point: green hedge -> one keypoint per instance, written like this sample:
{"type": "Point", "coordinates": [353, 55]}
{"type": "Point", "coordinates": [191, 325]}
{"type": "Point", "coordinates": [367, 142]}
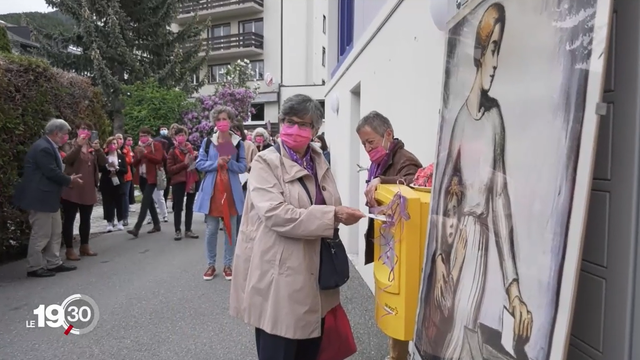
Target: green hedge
{"type": "Point", "coordinates": [32, 92]}
{"type": "Point", "coordinates": [5, 44]}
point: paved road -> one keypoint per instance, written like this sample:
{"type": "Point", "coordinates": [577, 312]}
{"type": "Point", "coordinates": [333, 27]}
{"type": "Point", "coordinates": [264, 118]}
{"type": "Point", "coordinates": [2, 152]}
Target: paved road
{"type": "Point", "coordinates": [153, 304]}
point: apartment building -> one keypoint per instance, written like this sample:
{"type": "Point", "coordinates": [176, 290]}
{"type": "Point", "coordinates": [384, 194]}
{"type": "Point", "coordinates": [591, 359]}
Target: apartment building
{"type": "Point", "coordinates": [285, 39]}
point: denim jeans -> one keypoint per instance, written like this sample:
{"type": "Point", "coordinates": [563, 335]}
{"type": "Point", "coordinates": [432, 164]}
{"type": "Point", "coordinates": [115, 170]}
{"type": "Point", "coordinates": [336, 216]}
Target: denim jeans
{"type": "Point", "coordinates": [127, 186]}
{"type": "Point", "coordinates": [211, 240]}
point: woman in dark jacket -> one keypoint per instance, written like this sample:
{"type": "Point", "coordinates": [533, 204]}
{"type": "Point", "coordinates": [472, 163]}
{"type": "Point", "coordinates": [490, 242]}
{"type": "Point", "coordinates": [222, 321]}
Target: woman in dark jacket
{"type": "Point", "coordinates": [322, 142]}
{"type": "Point", "coordinates": [112, 185]}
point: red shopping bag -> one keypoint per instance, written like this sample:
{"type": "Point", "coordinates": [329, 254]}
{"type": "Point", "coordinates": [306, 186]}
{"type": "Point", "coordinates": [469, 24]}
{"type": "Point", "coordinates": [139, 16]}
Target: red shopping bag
{"type": "Point", "coordinates": [337, 340]}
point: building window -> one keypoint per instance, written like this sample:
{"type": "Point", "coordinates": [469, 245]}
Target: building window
{"type": "Point", "coordinates": [249, 26]}
{"type": "Point", "coordinates": [219, 30]}
{"type": "Point", "coordinates": [259, 112]}
{"type": "Point", "coordinates": [345, 29]}
{"type": "Point", "coordinates": [257, 67]}
{"type": "Point", "coordinates": [195, 79]}
{"type": "Point", "coordinates": [216, 73]}
{"type": "Point", "coordinates": [324, 56]}
{"type": "Point", "coordinates": [324, 24]}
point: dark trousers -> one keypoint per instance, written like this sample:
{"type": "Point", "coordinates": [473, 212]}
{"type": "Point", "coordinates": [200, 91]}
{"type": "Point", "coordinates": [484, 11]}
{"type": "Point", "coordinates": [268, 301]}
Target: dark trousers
{"type": "Point", "coordinates": [112, 203]}
{"type": "Point", "coordinates": [179, 193]}
{"type": "Point", "coordinates": [70, 210]}
{"type": "Point", "coordinates": [165, 194]}
{"type": "Point", "coordinates": [126, 187]}
{"type": "Point", "coordinates": [274, 347]}
{"type": "Point", "coordinates": [147, 204]}
{"type": "Point", "coordinates": [132, 194]}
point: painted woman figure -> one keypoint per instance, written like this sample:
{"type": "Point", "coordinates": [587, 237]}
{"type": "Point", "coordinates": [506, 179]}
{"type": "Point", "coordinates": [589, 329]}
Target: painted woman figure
{"type": "Point", "coordinates": [474, 192]}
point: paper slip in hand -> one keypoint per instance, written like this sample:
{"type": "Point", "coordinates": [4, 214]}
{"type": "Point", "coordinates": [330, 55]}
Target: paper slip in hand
{"type": "Point", "coordinates": [243, 178]}
{"type": "Point", "coordinates": [507, 340]}
{"type": "Point", "coordinates": [377, 217]}
{"type": "Point", "coordinates": [226, 149]}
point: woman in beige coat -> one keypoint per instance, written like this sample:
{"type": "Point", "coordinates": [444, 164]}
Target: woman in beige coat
{"type": "Point", "coordinates": [275, 284]}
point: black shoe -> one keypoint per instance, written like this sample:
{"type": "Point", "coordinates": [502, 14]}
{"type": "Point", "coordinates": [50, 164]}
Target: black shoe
{"type": "Point", "coordinates": [63, 268]}
{"type": "Point", "coordinates": [134, 232]}
{"type": "Point", "coordinates": [40, 273]}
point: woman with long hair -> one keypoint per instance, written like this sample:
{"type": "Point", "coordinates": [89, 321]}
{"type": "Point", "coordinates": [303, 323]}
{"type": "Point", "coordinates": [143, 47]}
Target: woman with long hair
{"type": "Point", "coordinates": [81, 158]}
{"type": "Point", "coordinates": [112, 185]}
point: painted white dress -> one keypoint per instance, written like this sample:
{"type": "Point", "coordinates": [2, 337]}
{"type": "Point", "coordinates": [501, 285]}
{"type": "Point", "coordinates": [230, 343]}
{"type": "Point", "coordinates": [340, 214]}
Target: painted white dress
{"type": "Point", "coordinates": [481, 168]}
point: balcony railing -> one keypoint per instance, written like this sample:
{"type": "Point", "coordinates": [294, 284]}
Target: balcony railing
{"type": "Point", "coordinates": [234, 42]}
{"type": "Point", "coordinates": [211, 5]}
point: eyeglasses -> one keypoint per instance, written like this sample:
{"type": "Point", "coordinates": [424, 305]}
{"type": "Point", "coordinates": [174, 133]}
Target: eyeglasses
{"type": "Point", "coordinates": [301, 124]}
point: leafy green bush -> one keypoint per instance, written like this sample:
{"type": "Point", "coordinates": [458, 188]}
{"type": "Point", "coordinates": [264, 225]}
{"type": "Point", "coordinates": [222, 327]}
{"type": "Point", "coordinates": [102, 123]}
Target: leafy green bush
{"type": "Point", "coordinates": [32, 92]}
{"type": "Point", "coordinates": [5, 44]}
{"type": "Point", "coordinates": [148, 104]}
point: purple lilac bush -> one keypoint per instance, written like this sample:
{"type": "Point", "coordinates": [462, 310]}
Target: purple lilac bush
{"type": "Point", "coordinates": [197, 120]}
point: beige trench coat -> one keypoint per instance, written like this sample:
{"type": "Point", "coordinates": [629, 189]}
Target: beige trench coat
{"type": "Point", "coordinates": [275, 272]}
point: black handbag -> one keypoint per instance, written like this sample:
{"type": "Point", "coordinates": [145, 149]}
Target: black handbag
{"type": "Point", "coordinates": [334, 262]}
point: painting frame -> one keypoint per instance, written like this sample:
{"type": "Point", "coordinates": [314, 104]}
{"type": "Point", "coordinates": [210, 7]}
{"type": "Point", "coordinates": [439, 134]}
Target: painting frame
{"type": "Point", "coordinates": [577, 218]}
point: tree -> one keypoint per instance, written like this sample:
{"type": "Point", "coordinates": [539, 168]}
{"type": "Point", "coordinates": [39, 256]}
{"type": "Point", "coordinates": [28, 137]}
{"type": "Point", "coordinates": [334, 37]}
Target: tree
{"type": "Point", "coordinates": [5, 44]}
{"type": "Point", "coordinates": [149, 104]}
{"type": "Point", "coordinates": [121, 42]}
{"type": "Point", "coordinates": [235, 91]}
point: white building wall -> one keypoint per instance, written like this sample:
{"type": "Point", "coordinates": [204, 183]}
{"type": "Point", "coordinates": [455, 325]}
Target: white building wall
{"type": "Point", "coordinates": [395, 68]}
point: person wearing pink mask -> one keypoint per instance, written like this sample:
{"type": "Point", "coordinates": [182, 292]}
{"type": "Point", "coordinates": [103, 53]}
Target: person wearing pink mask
{"type": "Point", "coordinates": [82, 158]}
{"type": "Point", "coordinates": [391, 163]}
{"type": "Point", "coordinates": [111, 185]}
{"type": "Point", "coordinates": [222, 160]}
{"type": "Point", "coordinates": [124, 144]}
{"type": "Point", "coordinates": [261, 139]}
{"type": "Point", "coordinates": [148, 158]}
{"type": "Point", "coordinates": [38, 192]}
{"type": "Point", "coordinates": [184, 182]}
{"type": "Point", "coordinates": [292, 204]}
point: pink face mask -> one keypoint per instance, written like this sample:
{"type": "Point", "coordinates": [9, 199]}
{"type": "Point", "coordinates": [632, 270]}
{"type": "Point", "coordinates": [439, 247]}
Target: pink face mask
{"type": "Point", "coordinates": [295, 138]}
{"type": "Point", "coordinates": [112, 147]}
{"type": "Point", "coordinates": [129, 142]}
{"type": "Point", "coordinates": [249, 137]}
{"type": "Point", "coordinates": [181, 139]}
{"type": "Point", "coordinates": [84, 133]}
{"type": "Point", "coordinates": [64, 139]}
{"type": "Point", "coordinates": [259, 140]}
{"type": "Point", "coordinates": [223, 125]}
{"type": "Point", "coordinates": [376, 155]}
{"type": "Point", "coordinates": [144, 139]}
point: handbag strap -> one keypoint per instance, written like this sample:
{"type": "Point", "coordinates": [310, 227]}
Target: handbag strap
{"type": "Point", "coordinates": [276, 147]}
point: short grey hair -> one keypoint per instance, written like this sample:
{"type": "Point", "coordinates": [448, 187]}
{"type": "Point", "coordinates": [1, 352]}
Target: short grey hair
{"type": "Point", "coordinates": [56, 126]}
{"type": "Point", "coordinates": [301, 106]}
{"type": "Point", "coordinates": [261, 132]}
{"type": "Point", "coordinates": [377, 122]}
{"type": "Point", "coordinates": [231, 114]}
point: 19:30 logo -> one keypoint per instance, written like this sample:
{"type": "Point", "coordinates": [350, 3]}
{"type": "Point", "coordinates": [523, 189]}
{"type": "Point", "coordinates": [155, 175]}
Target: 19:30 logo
{"type": "Point", "coordinates": [79, 318]}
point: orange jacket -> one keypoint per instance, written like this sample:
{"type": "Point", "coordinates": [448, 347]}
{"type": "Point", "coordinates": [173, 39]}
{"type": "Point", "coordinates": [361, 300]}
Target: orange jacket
{"type": "Point", "coordinates": [152, 157]}
{"type": "Point", "coordinates": [128, 155]}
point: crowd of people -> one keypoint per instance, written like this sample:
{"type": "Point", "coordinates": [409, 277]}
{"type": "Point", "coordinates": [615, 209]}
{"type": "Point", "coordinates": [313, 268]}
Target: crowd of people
{"type": "Point", "coordinates": [274, 198]}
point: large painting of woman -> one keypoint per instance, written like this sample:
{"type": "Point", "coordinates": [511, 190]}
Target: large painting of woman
{"type": "Point", "coordinates": [491, 263]}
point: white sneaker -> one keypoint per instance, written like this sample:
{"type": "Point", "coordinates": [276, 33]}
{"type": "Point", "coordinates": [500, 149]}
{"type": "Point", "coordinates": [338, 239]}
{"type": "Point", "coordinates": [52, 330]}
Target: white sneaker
{"type": "Point", "coordinates": [109, 227]}
{"type": "Point", "coordinates": [132, 209]}
{"type": "Point", "coordinates": [120, 226]}
{"type": "Point", "coordinates": [165, 219]}
{"type": "Point", "coordinates": [149, 221]}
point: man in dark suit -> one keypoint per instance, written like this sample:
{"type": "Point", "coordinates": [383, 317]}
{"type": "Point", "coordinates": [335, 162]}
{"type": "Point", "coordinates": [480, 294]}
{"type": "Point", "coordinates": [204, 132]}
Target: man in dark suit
{"type": "Point", "coordinates": [39, 192]}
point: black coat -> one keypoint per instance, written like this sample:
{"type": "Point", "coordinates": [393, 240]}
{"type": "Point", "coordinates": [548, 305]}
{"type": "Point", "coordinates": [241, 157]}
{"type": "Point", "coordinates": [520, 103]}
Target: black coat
{"type": "Point", "coordinates": [43, 180]}
{"type": "Point", "coordinates": [106, 184]}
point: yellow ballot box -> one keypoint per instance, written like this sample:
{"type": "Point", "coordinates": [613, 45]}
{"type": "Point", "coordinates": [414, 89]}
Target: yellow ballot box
{"type": "Point", "coordinates": [397, 269]}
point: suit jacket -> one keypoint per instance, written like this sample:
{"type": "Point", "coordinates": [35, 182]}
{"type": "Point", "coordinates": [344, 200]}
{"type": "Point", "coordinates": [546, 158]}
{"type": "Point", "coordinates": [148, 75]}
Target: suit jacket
{"type": "Point", "coordinates": [40, 187]}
